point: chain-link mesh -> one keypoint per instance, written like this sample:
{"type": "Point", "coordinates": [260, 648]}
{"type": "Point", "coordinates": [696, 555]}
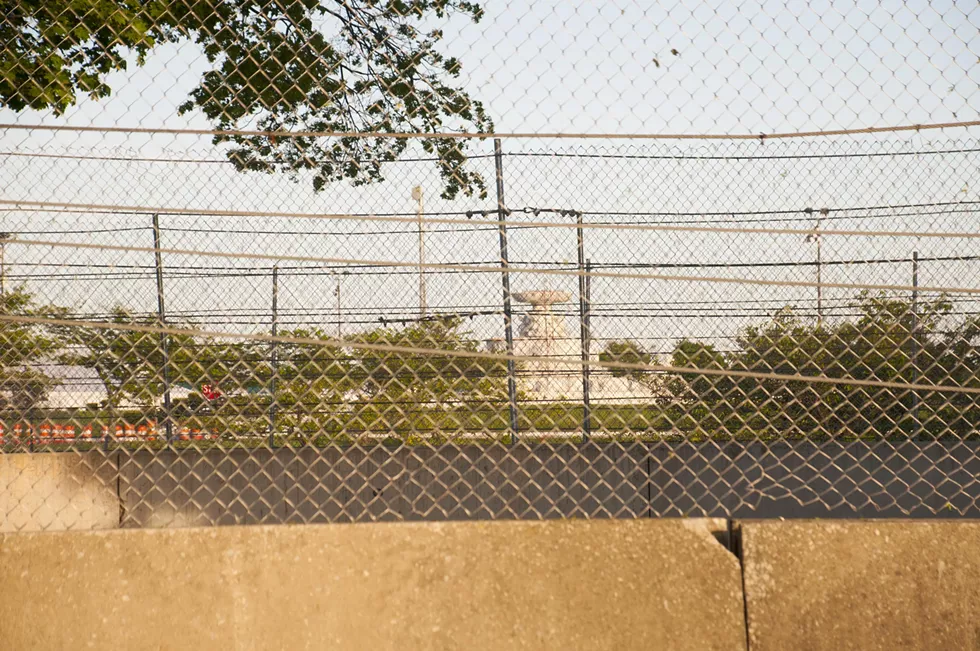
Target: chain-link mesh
{"type": "Point", "coordinates": [270, 277]}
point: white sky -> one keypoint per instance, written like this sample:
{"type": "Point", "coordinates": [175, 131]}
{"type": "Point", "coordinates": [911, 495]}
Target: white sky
{"type": "Point", "coordinates": [547, 66]}
{"type": "Point", "coordinates": [589, 66]}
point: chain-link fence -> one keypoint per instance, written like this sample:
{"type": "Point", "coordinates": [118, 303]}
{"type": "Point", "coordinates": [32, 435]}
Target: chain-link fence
{"type": "Point", "coordinates": [261, 302]}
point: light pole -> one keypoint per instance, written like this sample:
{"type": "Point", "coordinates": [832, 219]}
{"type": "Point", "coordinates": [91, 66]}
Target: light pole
{"type": "Point", "coordinates": [417, 196]}
{"type": "Point", "coordinates": [916, 344]}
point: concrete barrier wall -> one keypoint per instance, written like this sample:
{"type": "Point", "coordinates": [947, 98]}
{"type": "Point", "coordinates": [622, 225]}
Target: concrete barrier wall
{"type": "Point", "coordinates": [783, 479]}
{"type": "Point", "coordinates": [516, 585]}
{"type": "Point", "coordinates": [497, 585]}
{"type": "Point", "coordinates": [164, 488]}
{"type": "Point", "coordinates": [57, 492]}
{"type": "Point", "coordinates": [862, 585]}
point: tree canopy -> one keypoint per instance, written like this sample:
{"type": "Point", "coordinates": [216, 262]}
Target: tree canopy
{"type": "Point", "coordinates": [427, 377]}
{"type": "Point", "coordinates": [27, 352]}
{"type": "Point", "coordinates": [888, 342]}
{"type": "Point", "coordinates": [317, 388]}
{"type": "Point", "coordinates": [627, 351]}
{"type": "Point", "coordinates": [130, 363]}
{"type": "Point", "coordinates": [382, 380]}
{"type": "Point", "coordinates": [362, 66]}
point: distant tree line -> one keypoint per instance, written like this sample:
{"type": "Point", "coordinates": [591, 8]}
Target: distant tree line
{"type": "Point", "coordinates": [309, 387]}
{"type": "Point", "coordinates": [891, 340]}
{"type": "Point", "coordinates": [359, 383]}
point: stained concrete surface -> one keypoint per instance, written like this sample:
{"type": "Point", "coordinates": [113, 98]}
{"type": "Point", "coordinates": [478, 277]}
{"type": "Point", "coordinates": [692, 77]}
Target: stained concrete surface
{"type": "Point", "coordinates": [814, 585]}
{"type": "Point", "coordinates": [41, 492]}
{"type": "Point", "coordinates": [640, 584]}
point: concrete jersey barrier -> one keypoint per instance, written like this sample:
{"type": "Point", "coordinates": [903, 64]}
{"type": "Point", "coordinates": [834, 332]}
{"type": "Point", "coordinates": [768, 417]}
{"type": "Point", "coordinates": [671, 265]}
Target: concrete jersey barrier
{"type": "Point", "coordinates": [637, 584]}
{"type": "Point", "coordinates": [871, 585]}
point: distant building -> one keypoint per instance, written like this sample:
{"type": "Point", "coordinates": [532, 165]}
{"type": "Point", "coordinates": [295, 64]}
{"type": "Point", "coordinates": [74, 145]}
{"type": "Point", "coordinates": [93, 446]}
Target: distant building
{"type": "Point", "coordinates": [80, 386]}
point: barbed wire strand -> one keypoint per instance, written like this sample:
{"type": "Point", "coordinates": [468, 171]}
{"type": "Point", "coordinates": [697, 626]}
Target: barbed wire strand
{"type": "Point", "coordinates": [160, 210]}
{"type": "Point", "coordinates": [517, 264]}
{"type": "Point", "coordinates": [944, 206]}
{"type": "Point", "coordinates": [496, 269]}
{"type": "Point", "coordinates": [463, 135]}
{"type": "Point", "coordinates": [516, 154]}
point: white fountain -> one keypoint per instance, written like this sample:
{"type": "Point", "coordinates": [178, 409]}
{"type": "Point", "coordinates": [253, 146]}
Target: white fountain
{"type": "Point", "coordinates": [542, 333]}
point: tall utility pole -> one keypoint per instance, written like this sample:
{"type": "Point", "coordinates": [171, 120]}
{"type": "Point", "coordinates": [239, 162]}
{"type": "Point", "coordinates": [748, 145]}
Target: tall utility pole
{"type": "Point", "coordinates": [4, 238]}
{"type": "Point", "coordinates": [584, 275]}
{"type": "Point", "coordinates": [273, 408]}
{"type": "Point", "coordinates": [917, 424]}
{"type": "Point", "coordinates": [417, 195]}
{"type": "Point", "coordinates": [585, 306]}
{"type": "Point", "coordinates": [164, 339]}
{"type": "Point", "coordinates": [498, 158]}
{"type": "Point", "coordinates": [816, 237]}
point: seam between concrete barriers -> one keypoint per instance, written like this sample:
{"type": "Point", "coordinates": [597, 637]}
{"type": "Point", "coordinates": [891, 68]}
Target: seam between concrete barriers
{"type": "Point", "coordinates": [736, 546]}
{"type": "Point", "coordinates": [119, 495]}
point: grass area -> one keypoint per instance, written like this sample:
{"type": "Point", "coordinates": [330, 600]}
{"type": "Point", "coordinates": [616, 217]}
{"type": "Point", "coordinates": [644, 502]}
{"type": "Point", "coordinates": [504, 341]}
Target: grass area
{"type": "Point", "coordinates": [483, 426]}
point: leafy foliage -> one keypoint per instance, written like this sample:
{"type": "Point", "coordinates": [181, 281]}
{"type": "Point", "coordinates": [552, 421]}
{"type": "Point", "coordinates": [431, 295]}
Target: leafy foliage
{"type": "Point", "coordinates": [55, 49]}
{"type": "Point", "coordinates": [300, 386]}
{"type": "Point", "coordinates": [364, 66]}
{"type": "Point", "coordinates": [627, 352]}
{"type": "Point", "coordinates": [26, 350]}
{"type": "Point", "coordinates": [311, 379]}
{"type": "Point", "coordinates": [130, 363]}
{"type": "Point", "coordinates": [427, 377]}
{"type": "Point", "coordinates": [414, 391]}
{"type": "Point", "coordinates": [393, 386]}
{"type": "Point", "coordinates": [889, 342]}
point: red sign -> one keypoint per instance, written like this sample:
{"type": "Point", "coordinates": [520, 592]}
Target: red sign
{"type": "Point", "coordinates": [210, 392]}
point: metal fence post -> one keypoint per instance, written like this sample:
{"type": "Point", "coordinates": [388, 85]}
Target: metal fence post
{"type": "Point", "coordinates": [916, 398]}
{"type": "Point", "coordinates": [584, 286]}
{"type": "Point", "coordinates": [505, 277]}
{"type": "Point", "coordinates": [164, 338]}
{"type": "Point", "coordinates": [4, 238]}
{"type": "Point", "coordinates": [275, 356]}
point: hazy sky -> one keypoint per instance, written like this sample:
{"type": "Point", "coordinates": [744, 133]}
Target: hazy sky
{"type": "Point", "coordinates": [548, 66]}
{"type": "Point", "coordinates": [591, 66]}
